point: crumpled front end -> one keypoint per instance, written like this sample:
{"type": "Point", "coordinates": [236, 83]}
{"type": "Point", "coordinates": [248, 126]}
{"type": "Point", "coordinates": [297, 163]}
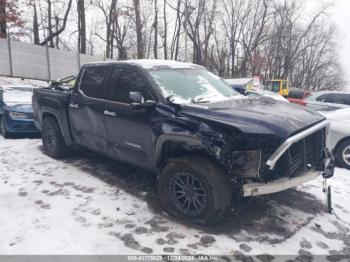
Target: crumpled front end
{"type": "Point", "coordinates": [300, 158]}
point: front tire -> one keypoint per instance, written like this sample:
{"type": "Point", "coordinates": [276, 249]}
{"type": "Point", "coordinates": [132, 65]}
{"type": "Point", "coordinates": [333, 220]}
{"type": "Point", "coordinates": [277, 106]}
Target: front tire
{"type": "Point", "coordinates": [3, 129]}
{"type": "Point", "coordinates": [343, 154]}
{"type": "Point", "coordinates": [53, 142]}
{"type": "Point", "coordinates": [195, 189]}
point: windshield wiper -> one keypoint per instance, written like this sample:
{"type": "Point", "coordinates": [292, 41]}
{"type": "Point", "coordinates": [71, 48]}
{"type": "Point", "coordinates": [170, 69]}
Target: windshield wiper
{"type": "Point", "coordinates": [170, 98]}
{"type": "Point", "coordinates": [201, 99]}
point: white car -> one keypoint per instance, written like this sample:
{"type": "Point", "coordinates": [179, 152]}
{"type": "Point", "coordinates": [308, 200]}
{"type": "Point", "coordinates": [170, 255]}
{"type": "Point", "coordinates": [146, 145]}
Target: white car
{"type": "Point", "coordinates": [338, 99]}
{"type": "Point", "coordinates": [339, 135]}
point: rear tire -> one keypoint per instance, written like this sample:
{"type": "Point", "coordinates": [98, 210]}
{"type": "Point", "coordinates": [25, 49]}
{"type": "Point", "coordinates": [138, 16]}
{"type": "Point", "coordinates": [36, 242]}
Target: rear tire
{"type": "Point", "coordinates": [3, 129]}
{"type": "Point", "coordinates": [195, 189]}
{"type": "Point", "coordinates": [342, 154]}
{"type": "Point", "coordinates": [53, 142]}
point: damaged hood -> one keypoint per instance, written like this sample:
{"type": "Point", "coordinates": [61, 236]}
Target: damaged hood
{"type": "Point", "coordinates": [259, 116]}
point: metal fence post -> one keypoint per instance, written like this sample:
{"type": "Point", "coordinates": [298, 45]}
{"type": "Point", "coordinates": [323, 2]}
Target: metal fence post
{"type": "Point", "coordinates": [10, 55]}
{"type": "Point", "coordinates": [48, 62]}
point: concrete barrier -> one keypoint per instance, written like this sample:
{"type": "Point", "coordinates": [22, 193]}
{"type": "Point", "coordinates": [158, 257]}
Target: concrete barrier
{"type": "Point", "coordinates": [25, 60]}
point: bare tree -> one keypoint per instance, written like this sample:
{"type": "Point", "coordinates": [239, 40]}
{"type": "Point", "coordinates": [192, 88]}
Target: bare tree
{"type": "Point", "coordinates": [122, 26]}
{"type": "Point", "coordinates": [174, 48]}
{"type": "Point", "coordinates": [109, 14]}
{"type": "Point", "coordinates": [200, 21]}
{"type": "Point", "coordinates": [81, 26]}
{"type": "Point", "coordinates": [165, 34]}
{"type": "Point", "coordinates": [139, 26]}
{"type": "Point", "coordinates": [52, 35]}
{"type": "Point", "coordinates": [36, 36]}
{"type": "Point", "coordinates": [155, 26]}
{"type": "Point", "coordinates": [9, 16]}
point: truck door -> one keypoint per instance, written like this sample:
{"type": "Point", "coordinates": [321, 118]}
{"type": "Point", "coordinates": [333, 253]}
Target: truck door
{"type": "Point", "coordinates": [129, 131]}
{"type": "Point", "coordinates": [86, 108]}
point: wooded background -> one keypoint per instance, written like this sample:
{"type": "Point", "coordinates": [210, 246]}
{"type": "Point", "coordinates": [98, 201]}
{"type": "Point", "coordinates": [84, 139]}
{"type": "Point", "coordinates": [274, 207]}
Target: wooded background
{"type": "Point", "coordinates": [233, 38]}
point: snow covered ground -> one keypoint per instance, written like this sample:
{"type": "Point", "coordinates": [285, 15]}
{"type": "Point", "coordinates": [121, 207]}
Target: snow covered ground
{"type": "Point", "coordinates": [19, 81]}
{"type": "Point", "coordinates": [87, 204]}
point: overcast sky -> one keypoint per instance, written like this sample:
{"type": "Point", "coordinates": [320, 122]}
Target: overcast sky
{"type": "Point", "coordinates": [339, 13]}
{"type": "Point", "coordinates": [341, 16]}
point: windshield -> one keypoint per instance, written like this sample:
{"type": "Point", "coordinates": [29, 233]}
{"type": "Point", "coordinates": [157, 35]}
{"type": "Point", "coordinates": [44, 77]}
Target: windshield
{"type": "Point", "coordinates": [18, 95]}
{"type": "Point", "coordinates": [192, 85]}
{"type": "Point", "coordinates": [275, 86]}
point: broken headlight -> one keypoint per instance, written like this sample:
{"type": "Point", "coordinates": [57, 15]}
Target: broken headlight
{"type": "Point", "coordinates": [247, 162]}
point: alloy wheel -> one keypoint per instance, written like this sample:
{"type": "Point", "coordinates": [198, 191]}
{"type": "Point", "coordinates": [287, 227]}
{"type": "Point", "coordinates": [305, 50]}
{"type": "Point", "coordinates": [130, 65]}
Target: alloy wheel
{"type": "Point", "coordinates": [346, 155]}
{"type": "Point", "coordinates": [188, 194]}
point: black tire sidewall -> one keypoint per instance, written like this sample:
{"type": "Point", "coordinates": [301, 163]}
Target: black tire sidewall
{"type": "Point", "coordinates": [4, 133]}
{"type": "Point", "coordinates": [215, 181]}
{"type": "Point", "coordinates": [339, 153]}
{"type": "Point", "coordinates": [50, 125]}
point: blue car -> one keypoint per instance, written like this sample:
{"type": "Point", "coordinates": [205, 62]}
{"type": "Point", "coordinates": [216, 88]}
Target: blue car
{"type": "Point", "coordinates": [16, 112]}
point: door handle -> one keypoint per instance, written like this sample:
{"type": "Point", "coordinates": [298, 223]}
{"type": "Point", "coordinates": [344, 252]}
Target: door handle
{"type": "Point", "coordinates": [73, 105]}
{"type": "Point", "coordinates": [109, 113]}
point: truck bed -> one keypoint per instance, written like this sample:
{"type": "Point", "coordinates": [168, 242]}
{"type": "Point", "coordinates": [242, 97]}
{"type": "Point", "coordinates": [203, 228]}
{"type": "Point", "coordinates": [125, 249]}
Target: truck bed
{"type": "Point", "coordinates": [54, 102]}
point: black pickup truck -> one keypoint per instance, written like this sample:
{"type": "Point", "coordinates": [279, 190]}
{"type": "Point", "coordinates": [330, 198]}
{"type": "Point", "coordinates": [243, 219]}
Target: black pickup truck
{"type": "Point", "coordinates": [207, 144]}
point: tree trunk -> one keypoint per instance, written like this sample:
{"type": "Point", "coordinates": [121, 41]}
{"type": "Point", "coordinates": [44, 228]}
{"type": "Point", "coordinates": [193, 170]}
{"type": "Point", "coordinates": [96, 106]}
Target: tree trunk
{"type": "Point", "coordinates": [3, 25]}
{"type": "Point", "coordinates": [35, 26]}
{"type": "Point", "coordinates": [49, 22]}
{"type": "Point", "coordinates": [139, 40]}
{"type": "Point", "coordinates": [165, 40]}
{"type": "Point", "coordinates": [81, 26]}
{"type": "Point", "coordinates": [109, 33]}
{"type": "Point", "coordinates": [62, 28]}
{"type": "Point", "coordinates": [155, 25]}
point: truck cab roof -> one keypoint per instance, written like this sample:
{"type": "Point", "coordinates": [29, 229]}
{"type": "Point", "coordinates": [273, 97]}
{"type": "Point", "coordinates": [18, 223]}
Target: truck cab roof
{"type": "Point", "coordinates": [150, 63]}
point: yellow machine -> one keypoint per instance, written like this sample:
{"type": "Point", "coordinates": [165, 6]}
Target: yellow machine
{"type": "Point", "coordinates": [279, 86]}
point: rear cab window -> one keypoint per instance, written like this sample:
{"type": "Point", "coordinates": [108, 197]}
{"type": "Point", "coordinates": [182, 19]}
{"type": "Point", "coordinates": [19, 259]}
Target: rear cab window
{"type": "Point", "coordinates": [95, 81]}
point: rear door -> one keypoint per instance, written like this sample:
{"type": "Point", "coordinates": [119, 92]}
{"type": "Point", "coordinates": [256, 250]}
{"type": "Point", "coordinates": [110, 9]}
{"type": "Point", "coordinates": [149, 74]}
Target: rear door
{"type": "Point", "coordinates": [129, 131]}
{"type": "Point", "coordinates": [86, 108]}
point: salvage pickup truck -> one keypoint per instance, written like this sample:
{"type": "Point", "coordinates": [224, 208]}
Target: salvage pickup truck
{"type": "Point", "coordinates": [207, 143]}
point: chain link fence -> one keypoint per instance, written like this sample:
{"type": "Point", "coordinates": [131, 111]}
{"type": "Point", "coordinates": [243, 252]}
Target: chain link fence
{"type": "Point", "coordinates": [25, 60]}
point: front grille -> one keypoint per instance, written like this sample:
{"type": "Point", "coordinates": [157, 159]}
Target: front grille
{"type": "Point", "coordinates": [305, 154]}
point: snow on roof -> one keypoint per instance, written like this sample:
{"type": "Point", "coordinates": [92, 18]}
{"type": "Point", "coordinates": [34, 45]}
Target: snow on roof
{"type": "Point", "coordinates": [152, 63]}
{"type": "Point", "coordinates": [239, 81]}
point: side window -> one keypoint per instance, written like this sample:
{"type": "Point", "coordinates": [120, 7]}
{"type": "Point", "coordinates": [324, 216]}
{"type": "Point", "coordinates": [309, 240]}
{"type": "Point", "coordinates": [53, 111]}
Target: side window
{"type": "Point", "coordinates": [94, 82]}
{"type": "Point", "coordinates": [127, 80]}
{"type": "Point", "coordinates": [338, 99]}
{"type": "Point", "coordinates": [322, 98]}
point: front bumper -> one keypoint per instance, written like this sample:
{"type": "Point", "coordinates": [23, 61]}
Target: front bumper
{"type": "Point", "coordinates": [326, 168]}
{"type": "Point", "coordinates": [21, 126]}
{"type": "Point", "coordinates": [277, 185]}
{"type": "Point", "coordinates": [256, 189]}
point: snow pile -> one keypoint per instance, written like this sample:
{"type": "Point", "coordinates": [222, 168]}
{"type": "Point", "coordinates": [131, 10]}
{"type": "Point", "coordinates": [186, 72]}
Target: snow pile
{"type": "Point", "coordinates": [21, 82]}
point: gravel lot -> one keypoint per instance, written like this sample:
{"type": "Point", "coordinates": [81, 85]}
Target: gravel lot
{"type": "Point", "coordinates": [87, 204]}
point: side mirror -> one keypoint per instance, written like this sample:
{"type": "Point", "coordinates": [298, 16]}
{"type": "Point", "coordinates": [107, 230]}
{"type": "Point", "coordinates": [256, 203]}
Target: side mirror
{"type": "Point", "coordinates": [137, 101]}
{"type": "Point", "coordinates": [136, 97]}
